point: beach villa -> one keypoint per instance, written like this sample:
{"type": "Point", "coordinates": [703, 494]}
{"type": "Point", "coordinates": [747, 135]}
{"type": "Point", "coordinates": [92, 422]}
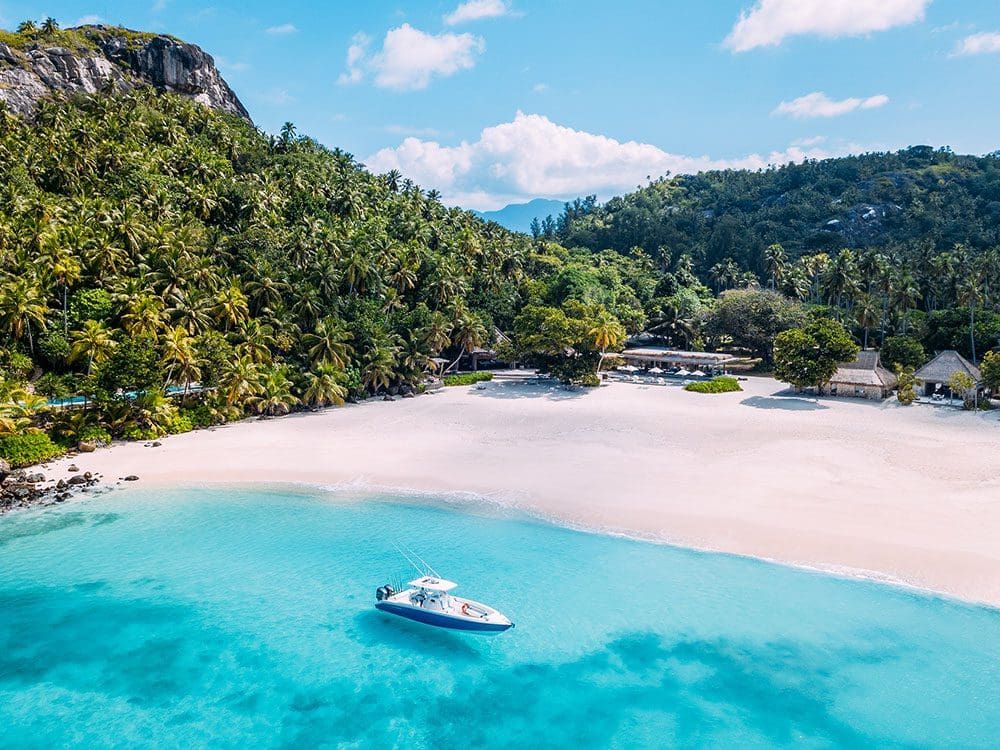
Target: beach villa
{"type": "Point", "coordinates": [865, 377]}
{"type": "Point", "coordinates": [937, 373]}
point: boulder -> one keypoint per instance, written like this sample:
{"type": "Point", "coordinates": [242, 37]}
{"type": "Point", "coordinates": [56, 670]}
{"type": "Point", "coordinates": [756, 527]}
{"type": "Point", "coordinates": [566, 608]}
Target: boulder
{"type": "Point", "coordinates": [4, 468]}
{"type": "Point", "coordinates": [72, 467]}
{"type": "Point", "coordinates": [77, 480]}
{"type": "Point", "coordinates": [34, 478]}
{"type": "Point", "coordinates": [86, 447]}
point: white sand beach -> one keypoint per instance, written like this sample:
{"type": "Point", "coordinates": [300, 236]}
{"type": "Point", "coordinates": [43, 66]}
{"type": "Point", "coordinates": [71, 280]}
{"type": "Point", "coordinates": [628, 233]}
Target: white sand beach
{"type": "Point", "coordinates": [911, 495]}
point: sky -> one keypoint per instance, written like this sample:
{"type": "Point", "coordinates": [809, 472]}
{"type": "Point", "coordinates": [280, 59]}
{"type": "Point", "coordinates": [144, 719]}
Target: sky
{"type": "Point", "coordinates": [493, 102]}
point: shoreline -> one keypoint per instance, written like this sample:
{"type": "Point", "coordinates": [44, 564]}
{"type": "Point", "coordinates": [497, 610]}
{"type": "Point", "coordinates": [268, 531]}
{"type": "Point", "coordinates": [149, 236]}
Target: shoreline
{"type": "Point", "coordinates": [647, 463]}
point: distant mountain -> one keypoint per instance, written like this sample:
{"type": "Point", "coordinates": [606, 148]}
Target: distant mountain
{"type": "Point", "coordinates": [518, 216]}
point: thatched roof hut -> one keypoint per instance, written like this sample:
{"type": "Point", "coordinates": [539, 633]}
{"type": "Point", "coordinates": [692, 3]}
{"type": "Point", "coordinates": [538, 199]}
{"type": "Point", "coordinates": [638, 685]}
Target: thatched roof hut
{"type": "Point", "coordinates": [944, 365]}
{"type": "Point", "coordinates": [865, 377]}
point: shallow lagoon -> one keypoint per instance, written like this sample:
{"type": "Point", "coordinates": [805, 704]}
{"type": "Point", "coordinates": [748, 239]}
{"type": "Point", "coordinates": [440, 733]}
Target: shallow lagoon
{"type": "Point", "coordinates": [244, 618]}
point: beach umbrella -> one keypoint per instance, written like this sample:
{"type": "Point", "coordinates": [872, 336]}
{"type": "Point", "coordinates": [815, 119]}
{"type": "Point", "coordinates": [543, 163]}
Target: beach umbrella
{"type": "Point", "coordinates": [629, 368]}
{"type": "Point", "coordinates": [698, 374]}
{"type": "Point", "coordinates": [655, 370]}
{"type": "Point", "coordinates": [682, 372]}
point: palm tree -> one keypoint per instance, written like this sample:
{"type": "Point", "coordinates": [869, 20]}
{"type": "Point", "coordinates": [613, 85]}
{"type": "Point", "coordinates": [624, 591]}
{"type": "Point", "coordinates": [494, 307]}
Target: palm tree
{"type": "Point", "coordinates": [231, 306]}
{"type": "Point", "coordinates": [607, 332]}
{"type": "Point", "coordinates": [324, 386]}
{"type": "Point", "coordinates": [328, 344]}
{"type": "Point", "coordinates": [21, 304]}
{"type": "Point", "coordinates": [94, 341]}
{"type": "Point", "coordinates": [866, 312]}
{"type": "Point", "coordinates": [970, 294]}
{"type": "Point", "coordinates": [179, 354]}
{"type": "Point", "coordinates": [274, 395]}
{"type": "Point", "coordinates": [775, 260]}
{"type": "Point", "coordinates": [379, 366]}
{"type": "Point", "coordinates": [49, 26]}
{"type": "Point", "coordinates": [240, 380]}
{"type": "Point", "coordinates": [469, 333]}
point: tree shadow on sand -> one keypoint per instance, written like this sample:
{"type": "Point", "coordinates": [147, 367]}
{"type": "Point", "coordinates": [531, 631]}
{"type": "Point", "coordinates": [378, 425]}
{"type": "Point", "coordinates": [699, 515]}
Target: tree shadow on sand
{"type": "Point", "coordinates": [785, 403]}
{"type": "Point", "coordinates": [520, 389]}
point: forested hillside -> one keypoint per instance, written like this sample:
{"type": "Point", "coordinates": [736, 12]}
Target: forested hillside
{"type": "Point", "coordinates": [148, 242]}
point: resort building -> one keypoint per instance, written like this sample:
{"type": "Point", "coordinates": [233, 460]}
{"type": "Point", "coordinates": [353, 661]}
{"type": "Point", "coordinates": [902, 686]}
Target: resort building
{"type": "Point", "coordinates": [865, 377]}
{"type": "Point", "coordinates": [936, 374]}
{"type": "Point", "coordinates": [657, 356]}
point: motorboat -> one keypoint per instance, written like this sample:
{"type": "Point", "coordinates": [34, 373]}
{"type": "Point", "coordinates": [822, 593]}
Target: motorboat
{"type": "Point", "coordinates": [428, 600]}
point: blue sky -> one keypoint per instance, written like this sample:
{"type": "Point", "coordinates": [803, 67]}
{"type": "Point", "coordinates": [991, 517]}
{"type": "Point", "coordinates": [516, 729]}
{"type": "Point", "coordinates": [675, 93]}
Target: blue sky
{"type": "Point", "coordinates": [498, 101]}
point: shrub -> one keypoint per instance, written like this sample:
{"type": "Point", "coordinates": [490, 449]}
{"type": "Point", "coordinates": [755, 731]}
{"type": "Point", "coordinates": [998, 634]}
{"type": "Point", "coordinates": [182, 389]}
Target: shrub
{"type": "Point", "coordinates": [179, 423]}
{"type": "Point", "coordinates": [95, 434]}
{"type": "Point", "coordinates": [721, 384]}
{"type": "Point", "coordinates": [54, 347]}
{"type": "Point", "coordinates": [52, 385]}
{"type": "Point", "coordinates": [200, 416]}
{"type": "Point", "coordinates": [590, 380]}
{"type": "Point", "coordinates": [19, 366]}
{"type": "Point", "coordinates": [141, 433]}
{"type": "Point", "coordinates": [27, 449]}
{"type": "Point", "coordinates": [467, 378]}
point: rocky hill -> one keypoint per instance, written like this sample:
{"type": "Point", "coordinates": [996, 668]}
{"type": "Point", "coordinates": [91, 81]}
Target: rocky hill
{"type": "Point", "coordinates": [88, 59]}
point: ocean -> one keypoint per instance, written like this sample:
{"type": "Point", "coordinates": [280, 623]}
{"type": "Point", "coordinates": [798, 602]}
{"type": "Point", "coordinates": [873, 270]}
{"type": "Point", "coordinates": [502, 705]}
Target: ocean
{"type": "Point", "coordinates": [244, 618]}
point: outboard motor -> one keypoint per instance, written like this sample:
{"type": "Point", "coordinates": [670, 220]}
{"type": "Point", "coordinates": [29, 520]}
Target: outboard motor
{"type": "Point", "coordinates": [383, 592]}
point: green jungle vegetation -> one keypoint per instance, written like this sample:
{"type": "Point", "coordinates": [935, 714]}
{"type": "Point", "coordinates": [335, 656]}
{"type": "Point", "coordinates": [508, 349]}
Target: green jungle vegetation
{"type": "Point", "coordinates": [467, 378]}
{"type": "Point", "coordinates": [171, 267]}
{"type": "Point", "coordinates": [719, 384]}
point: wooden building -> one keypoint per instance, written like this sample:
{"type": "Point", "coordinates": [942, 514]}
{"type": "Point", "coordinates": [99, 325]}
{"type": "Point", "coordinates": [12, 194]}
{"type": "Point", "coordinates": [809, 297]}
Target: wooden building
{"type": "Point", "coordinates": [865, 377]}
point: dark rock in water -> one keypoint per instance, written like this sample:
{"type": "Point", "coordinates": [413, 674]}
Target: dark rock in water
{"type": "Point", "coordinates": [85, 447]}
{"type": "Point", "coordinates": [61, 484]}
{"type": "Point", "coordinates": [21, 492]}
{"type": "Point", "coordinates": [116, 60]}
{"type": "Point", "coordinates": [88, 476]}
{"type": "Point", "coordinates": [72, 467]}
{"type": "Point", "coordinates": [77, 480]}
{"type": "Point", "coordinates": [131, 478]}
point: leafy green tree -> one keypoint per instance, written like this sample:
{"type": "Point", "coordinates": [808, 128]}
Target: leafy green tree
{"type": "Point", "coordinates": [809, 356]}
{"type": "Point", "coordinates": [133, 365]}
{"type": "Point", "coordinates": [93, 343]}
{"type": "Point", "coordinates": [990, 368]}
{"type": "Point", "coordinates": [902, 351]}
{"type": "Point", "coordinates": [752, 319]}
{"type": "Point", "coordinates": [906, 392]}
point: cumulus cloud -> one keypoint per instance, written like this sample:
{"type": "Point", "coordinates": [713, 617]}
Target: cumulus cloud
{"type": "Point", "coordinates": [770, 22]}
{"type": "Point", "coordinates": [533, 156]}
{"type": "Point", "coordinates": [410, 58]}
{"type": "Point", "coordinates": [978, 44]}
{"type": "Point", "coordinates": [285, 28]}
{"type": "Point", "coordinates": [818, 104]}
{"type": "Point", "coordinates": [476, 10]}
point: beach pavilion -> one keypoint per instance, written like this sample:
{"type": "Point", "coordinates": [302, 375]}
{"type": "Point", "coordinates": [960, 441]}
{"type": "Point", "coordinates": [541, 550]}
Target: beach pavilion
{"type": "Point", "coordinates": [647, 357]}
{"type": "Point", "coordinates": [936, 374]}
{"type": "Point", "coordinates": [865, 377]}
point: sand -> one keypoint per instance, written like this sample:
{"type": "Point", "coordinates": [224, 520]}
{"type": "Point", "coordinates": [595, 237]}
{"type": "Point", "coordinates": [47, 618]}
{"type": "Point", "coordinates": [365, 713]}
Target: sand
{"type": "Point", "coordinates": [911, 495]}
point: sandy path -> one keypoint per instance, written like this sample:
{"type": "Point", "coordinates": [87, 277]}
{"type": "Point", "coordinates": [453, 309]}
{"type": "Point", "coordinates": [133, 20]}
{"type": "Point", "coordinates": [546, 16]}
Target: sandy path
{"type": "Point", "coordinates": [909, 494]}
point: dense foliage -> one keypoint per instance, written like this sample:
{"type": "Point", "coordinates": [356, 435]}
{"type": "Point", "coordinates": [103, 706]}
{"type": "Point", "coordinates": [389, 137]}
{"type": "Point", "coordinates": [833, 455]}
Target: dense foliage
{"type": "Point", "coordinates": [809, 356]}
{"type": "Point", "coordinates": [720, 384]}
{"type": "Point", "coordinates": [467, 378]}
{"type": "Point", "coordinates": [151, 247]}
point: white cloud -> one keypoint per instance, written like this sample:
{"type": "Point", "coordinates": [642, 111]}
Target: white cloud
{"type": "Point", "coordinates": [355, 59]}
{"type": "Point", "coordinates": [769, 22]}
{"type": "Point", "coordinates": [818, 104]}
{"type": "Point", "coordinates": [88, 20]}
{"type": "Point", "coordinates": [410, 58]}
{"type": "Point", "coordinates": [475, 10]}
{"type": "Point", "coordinates": [285, 28]}
{"type": "Point", "coordinates": [532, 156]}
{"type": "Point", "coordinates": [978, 44]}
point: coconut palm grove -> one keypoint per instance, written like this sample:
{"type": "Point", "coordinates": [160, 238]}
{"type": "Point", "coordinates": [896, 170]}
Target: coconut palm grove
{"type": "Point", "coordinates": [168, 267]}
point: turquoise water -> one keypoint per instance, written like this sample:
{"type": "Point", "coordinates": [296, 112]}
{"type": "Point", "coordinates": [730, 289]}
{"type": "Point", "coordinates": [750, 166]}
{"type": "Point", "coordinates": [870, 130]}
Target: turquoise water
{"type": "Point", "coordinates": [244, 619]}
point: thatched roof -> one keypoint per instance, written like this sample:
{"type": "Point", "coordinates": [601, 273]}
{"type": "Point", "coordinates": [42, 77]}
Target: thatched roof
{"type": "Point", "coordinates": [944, 365]}
{"type": "Point", "coordinates": [866, 369]}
